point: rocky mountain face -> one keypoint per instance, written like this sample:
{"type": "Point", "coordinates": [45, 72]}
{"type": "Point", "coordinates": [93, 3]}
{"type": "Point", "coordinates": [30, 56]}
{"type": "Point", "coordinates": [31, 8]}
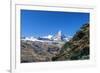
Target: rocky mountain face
{"type": "Point", "coordinates": [77, 48]}
{"type": "Point", "coordinates": [35, 51]}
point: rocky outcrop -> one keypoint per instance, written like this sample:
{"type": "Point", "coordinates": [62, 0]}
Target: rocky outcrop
{"type": "Point", "coordinates": [35, 51]}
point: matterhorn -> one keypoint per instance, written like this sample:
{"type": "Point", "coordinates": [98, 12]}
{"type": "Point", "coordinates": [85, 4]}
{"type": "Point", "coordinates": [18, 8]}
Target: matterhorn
{"type": "Point", "coordinates": [57, 37]}
{"type": "Point", "coordinates": [60, 37]}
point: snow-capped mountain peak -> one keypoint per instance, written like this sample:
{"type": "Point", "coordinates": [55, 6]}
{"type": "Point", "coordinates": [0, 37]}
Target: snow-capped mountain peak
{"type": "Point", "coordinates": [57, 37]}
{"type": "Point", "coordinates": [30, 38]}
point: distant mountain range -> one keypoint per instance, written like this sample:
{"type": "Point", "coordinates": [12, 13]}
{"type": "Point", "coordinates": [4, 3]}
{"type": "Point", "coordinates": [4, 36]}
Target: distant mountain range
{"type": "Point", "coordinates": [57, 37]}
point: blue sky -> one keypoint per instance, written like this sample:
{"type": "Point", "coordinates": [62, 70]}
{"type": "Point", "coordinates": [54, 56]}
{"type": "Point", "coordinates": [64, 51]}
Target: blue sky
{"type": "Point", "coordinates": [41, 23]}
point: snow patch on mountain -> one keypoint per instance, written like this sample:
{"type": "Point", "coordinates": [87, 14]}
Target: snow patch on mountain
{"type": "Point", "coordinates": [48, 37]}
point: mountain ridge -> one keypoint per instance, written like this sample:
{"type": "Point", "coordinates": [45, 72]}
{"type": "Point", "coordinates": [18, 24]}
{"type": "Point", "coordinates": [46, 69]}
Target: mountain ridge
{"type": "Point", "coordinates": [57, 37]}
